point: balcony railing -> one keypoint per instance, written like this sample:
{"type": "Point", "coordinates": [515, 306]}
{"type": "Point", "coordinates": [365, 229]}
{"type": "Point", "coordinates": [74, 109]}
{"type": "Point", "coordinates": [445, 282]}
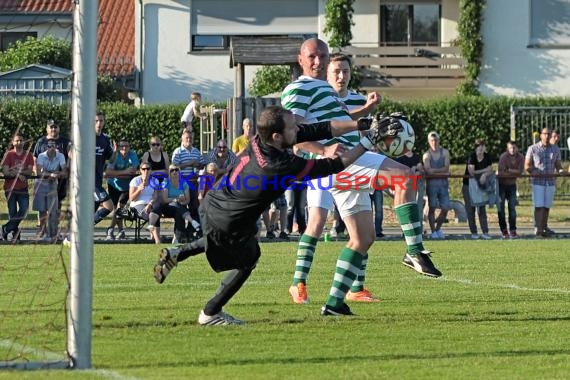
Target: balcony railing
{"type": "Point", "coordinates": [428, 67]}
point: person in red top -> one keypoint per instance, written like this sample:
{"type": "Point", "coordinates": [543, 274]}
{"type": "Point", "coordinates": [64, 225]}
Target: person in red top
{"type": "Point", "coordinates": [17, 166]}
{"type": "Point", "coordinates": [511, 165]}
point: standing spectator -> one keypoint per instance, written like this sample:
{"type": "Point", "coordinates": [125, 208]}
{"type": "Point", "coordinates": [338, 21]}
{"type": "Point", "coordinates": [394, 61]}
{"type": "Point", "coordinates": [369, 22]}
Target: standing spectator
{"type": "Point", "coordinates": [436, 163]}
{"type": "Point", "coordinates": [377, 199]}
{"type": "Point", "coordinates": [122, 167]}
{"type": "Point", "coordinates": [278, 208]}
{"type": "Point", "coordinates": [144, 199]}
{"type": "Point", "coordinates": [156, 157]}
{"type": "Point", "coordinates": [17, 166]}
{"type": "Point", "coordinates": [554, 138]}
{"type": "Point", "coordinates": [414, 162]}
{"type": "Point", "coordinates": [223, 157]}
{"type": "Point", "coordinates": [103, 152]}
{"type": "Point", "coordinates": [192, 110]}
{"type": "Point", "coordinates": [296, 196]}
{"type": "Point", "coordinates": [50, 167]}
{"type": "Point", "coordinates": [190, 161]}
{"type": "Point", "coordinates": [242, 142]}
{"type": "Point", "coordinates": [511, 165]}
{"type": "Point", "coordinates": [542, 160]}
{"type": "Point", "coordinates": [63, 145]}
{"type": "Point", "coordinates": [480, 167]}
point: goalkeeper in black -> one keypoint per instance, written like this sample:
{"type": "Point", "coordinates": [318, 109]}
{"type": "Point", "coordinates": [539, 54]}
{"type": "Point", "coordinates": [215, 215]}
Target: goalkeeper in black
{"type": "Point", "coordinates": [232, 207]}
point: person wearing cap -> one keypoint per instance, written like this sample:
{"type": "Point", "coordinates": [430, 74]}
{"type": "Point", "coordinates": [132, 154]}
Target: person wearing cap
{"type": "Point", "coordinates": [436, 164]}
{"type": "Point", "coordinates": [63, 145]}
{"type": "Point", "coordinates": [50, 166]}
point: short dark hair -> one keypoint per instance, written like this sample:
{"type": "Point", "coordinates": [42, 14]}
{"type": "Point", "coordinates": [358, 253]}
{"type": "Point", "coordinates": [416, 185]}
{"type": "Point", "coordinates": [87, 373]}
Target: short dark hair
{"type": "Point", "coordinates": [339, 57]}
{"type": "Point", "coordinates": [270, 121]}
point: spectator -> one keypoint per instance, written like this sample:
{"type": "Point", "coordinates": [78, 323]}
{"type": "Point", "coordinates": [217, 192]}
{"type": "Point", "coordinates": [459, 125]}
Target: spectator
{"type": "Point", "coordinates": [103, 152]}
{"type": "Point", "coordinates": [542, 160]}
{"type": "Point", "coordinates": [17, 166]}
{"type": "Point", "coordinates": [554, 138]}
{"type": "Point", "coordinates": [377, 199]}
{"type": "Point", "coordinates": [174, 200]}
{"type": "Point", "coordinates": [122, 167]}
{"type": "Point", "coordinates": [296, 197]}
{"type": "Point", "coordinates": [156, 157]}
{"type": "Point", "coordinates": [278, 208]}
{"type": "Point", "coordinates": [144, 199]}
{"type": "Point", "coordinates": [479, 167]}
{"type": "Point", "coordinates": [190, 161]}
{"type": "Point", "coordinates": [223, 157]}
{"type": "Point", "coordinates": [208, 178]}
{"type": "Point", "coordinates": [242, 142]}
{"type": "Point", "coordinates": [436, 163]}
{"type": "Point", "coordinates": [192, 110]}
{"type": "Point", "coordinates": [511, 165]}
{"type": "Point", "coordinates": [63, 145]}
{"type": "Point", "coordinates": [50, 166]}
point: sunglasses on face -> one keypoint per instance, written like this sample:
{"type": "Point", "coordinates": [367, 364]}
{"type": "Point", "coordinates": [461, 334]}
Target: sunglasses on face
{"type": "Point", "coordinates": [154, 144]}
{"type": "Point", "coordinates": [51, 145]}
{"type": "Point", "coordinates": [145, 168]}
{"type": "Point", "coordinates": [222, 147]}
{"type": "Point", "coordinates": [174, 170]}
{"type": "Point", "coordinates": [53, 126]}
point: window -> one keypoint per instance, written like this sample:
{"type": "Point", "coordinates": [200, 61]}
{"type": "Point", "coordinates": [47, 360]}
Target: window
{"type": "Point", "coordinates": [209, 43]}
{"type": "Point", "coordinates": [550, 23]}
{"type": "Point", "coordinates": [212, 22]}
{"type": "Point", "coordinates": [409, 25]}
{"type": "Point", "coordinates": [9, 38]}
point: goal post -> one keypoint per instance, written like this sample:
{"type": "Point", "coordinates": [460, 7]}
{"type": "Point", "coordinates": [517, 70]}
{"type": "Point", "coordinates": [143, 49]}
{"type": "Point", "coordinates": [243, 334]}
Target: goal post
{"type": "Point", "coordinates": [82, 183]}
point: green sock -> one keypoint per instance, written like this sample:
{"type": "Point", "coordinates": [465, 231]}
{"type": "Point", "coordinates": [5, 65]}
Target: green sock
{"type": "Point", "coordinates": [409, 219]}
{"type": "Point", "coordinates": [305, 252]}
{"type": "Point", "coordinates": [358, 284]}
{"type": "Point", "coordinates": [347, 267]}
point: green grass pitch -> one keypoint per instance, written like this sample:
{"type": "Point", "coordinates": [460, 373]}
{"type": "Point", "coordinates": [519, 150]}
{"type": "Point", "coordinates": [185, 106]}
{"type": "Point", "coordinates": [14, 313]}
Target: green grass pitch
{"type": "Point", "coordinates": [501, 311]}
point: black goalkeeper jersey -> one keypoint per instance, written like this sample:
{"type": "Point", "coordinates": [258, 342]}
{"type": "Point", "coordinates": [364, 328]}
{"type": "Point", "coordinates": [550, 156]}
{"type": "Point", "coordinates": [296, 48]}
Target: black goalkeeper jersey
{"type": "Point", "coordinates": [263, 173]}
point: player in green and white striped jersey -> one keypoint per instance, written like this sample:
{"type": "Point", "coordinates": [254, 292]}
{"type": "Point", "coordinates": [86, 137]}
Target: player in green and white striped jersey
{"type": "Point", "coordinates": [311, 100]}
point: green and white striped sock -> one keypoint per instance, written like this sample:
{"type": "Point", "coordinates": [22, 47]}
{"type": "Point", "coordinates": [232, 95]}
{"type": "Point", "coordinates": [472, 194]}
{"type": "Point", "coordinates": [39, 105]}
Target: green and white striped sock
{"type": "Point", "coordinates": [358, 284]}
{"type": "Point", "coordinates": [409, 219]}
{"type": "Point", "coordinates": [305, 252]}
{"type": "Point", "coordinates": [347, 267]}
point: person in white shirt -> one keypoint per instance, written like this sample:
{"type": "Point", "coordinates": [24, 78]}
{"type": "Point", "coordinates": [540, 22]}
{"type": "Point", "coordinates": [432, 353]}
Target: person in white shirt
{"type": "Point", "coordinates": [192, 110]}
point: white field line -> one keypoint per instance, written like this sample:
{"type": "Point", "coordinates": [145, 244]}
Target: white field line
{"type": "Point", "coordinates": [48, 355]}
{"type": "Point", "coordinates": [506, 286]}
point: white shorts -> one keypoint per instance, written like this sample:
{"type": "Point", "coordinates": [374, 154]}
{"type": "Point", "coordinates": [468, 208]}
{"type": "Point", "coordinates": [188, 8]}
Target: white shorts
{"type": "Point", "coordinates": [352, 187]}
{"type": "Point", "coordinates": [318, 195]}
{"type": "Point", "coordinates": [543, 196]}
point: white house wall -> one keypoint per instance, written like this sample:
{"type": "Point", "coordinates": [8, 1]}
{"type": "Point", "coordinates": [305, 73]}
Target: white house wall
{"type": "Point", "coordinates": [509, 67]}
{"type": "Point", "coordinates": [169, 72]}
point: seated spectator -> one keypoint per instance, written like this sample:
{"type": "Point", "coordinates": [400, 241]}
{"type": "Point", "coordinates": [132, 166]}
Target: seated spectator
{"type": "Point", "coordinates": [143, 198]}
{"type": "Point", "coordinates": [223, 157]}
{"type": "Point", "coordinates": [208, 178]}
{"type": "Point", "coordinates": [174, 199]}
{"type": "Point", "coordinates": [436, 163]}
{"type": "Point", "coordinates": [156, 157]}
{"type": "Point", "coordinates": [122, 167]}
{"type": "Point", "coordinates": [17, 166]}
{"type": "Point", "coordinates": [50, 166]}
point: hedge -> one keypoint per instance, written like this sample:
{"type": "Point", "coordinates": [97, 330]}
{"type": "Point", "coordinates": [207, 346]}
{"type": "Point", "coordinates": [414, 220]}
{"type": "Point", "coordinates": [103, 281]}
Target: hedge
{"type": "Point", "coordinates": [458, 120]}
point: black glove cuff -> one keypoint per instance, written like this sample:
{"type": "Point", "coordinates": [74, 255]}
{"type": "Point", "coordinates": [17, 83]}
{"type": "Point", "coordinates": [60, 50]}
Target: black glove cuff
{"type": "Point", "coordinates": [364, 123]}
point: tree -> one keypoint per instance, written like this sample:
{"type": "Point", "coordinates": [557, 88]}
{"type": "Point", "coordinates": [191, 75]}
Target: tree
{"type": "Point", "coordinates": [48, 50]}
{"type": "Point", "coordinates": [269, 79]}
{"type": "Point", "coordinates": [338, 22]}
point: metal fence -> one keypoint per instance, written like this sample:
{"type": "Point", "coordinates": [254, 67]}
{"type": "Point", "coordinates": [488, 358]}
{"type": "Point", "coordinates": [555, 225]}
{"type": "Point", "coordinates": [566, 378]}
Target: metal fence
{"type": "Point", "coordinates": [526, 123]}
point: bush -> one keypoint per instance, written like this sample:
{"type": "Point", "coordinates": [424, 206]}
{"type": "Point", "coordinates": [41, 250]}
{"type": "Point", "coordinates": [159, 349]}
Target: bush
{"type": "Point", "coordinates": [458, 120]}
{"type": "Point", "coordinates": [269, 80]}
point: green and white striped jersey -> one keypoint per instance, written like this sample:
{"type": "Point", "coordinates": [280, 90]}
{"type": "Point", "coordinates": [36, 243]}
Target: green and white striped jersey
{"type": "Point", "coordinates": [315, 100]}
